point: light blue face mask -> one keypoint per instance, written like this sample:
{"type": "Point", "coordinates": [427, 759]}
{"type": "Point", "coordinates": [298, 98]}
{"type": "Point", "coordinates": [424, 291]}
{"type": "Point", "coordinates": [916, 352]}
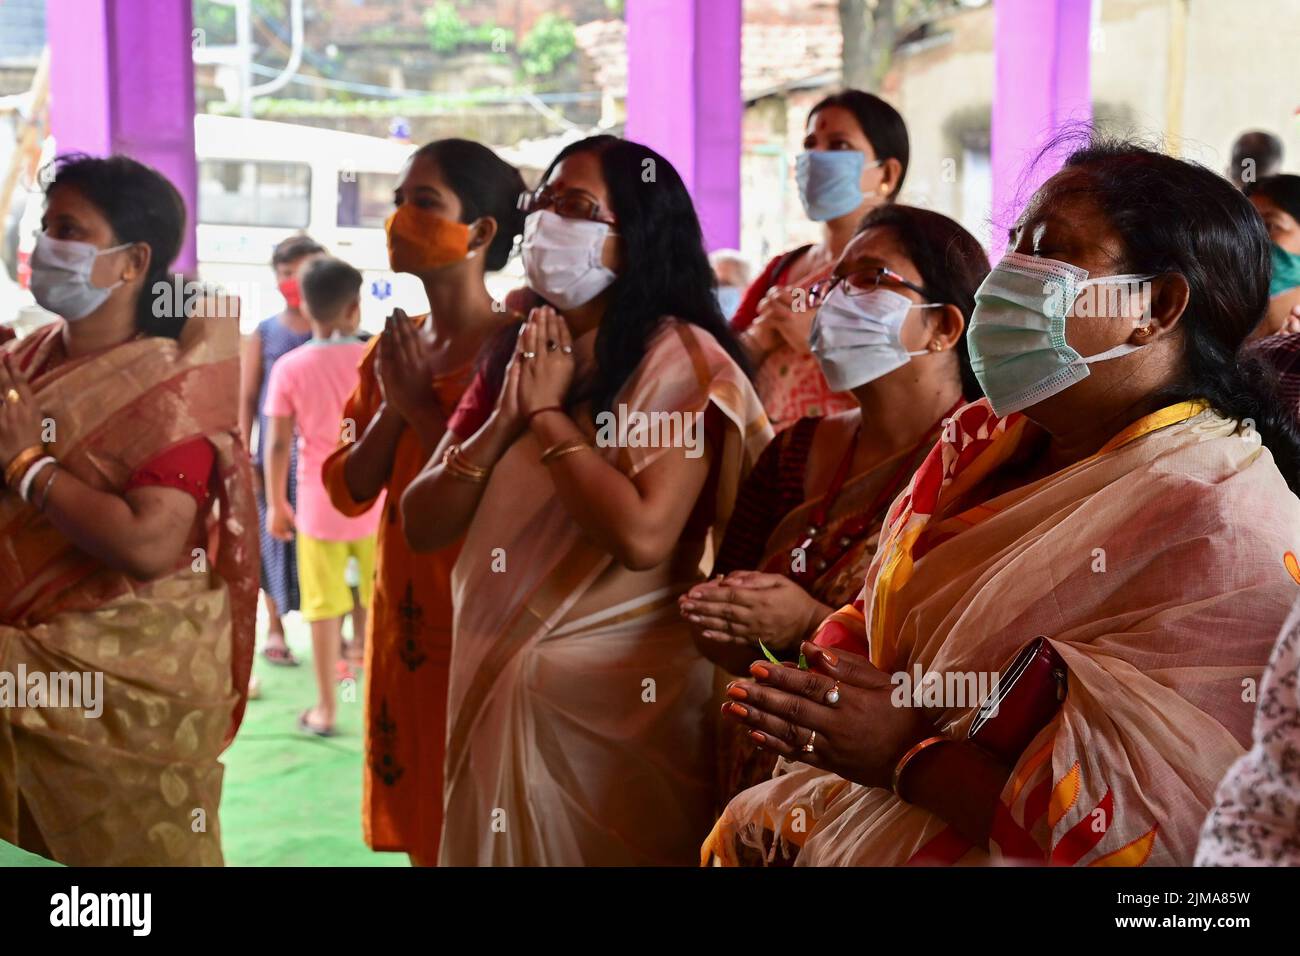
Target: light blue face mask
{"type": "Point", "coordinates": [830, 181]}
{"type": "Point", "coordinates": [1017, 331]}
{"type": "Point", "coordinates": [1286, 270]}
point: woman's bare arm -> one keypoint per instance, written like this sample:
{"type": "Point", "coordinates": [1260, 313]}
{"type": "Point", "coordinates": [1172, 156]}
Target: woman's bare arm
{"type": "Point", "coordinates": [142, 533]}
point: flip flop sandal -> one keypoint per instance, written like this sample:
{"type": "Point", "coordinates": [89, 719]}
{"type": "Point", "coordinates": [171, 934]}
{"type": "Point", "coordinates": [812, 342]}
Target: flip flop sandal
{"type": "Point", "coordinates": [279, 655]}
{"type": "Point", "coordinates": [343, 671]}
{"type": "Point", "coordinates": [306, 728]}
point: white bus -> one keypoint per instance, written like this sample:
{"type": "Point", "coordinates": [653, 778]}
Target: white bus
{"type": "Point", "coordinates": [261, 182]}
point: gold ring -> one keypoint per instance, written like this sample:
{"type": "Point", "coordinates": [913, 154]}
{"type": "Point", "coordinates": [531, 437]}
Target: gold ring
{"type": "Point", "coordinates": [808, 747]}
{"type": "Point", "coordinates": [12, 396]}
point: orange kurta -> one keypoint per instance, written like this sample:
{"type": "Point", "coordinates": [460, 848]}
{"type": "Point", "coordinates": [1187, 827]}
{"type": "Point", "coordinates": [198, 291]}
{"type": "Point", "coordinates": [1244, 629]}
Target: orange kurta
{"type": "Point", "coordinates": [408, 645]}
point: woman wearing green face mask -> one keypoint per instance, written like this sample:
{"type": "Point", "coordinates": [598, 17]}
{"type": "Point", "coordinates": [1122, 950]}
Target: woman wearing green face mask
{"type": "Point", "coordinates": [1127, 493]}
{"type": "Point", "coordinates": [1278, 200]}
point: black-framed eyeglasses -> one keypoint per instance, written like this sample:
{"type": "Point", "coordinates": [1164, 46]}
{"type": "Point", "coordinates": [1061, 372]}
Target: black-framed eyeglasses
{"type": "Point", "coordinates": [571, 204]}
{"type": "Point", "coordinates": [863, 282]}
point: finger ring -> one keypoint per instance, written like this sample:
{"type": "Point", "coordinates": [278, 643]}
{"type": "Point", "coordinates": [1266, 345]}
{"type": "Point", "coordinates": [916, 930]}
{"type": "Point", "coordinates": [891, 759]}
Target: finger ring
{"type": "Point", "coordinates": [552, 345]}
{"type": "Point", "coordinates": [12, 396]}
{"type": "Point", "coordinates": [526, 356]}
{"type": "Point", "coordinates": [566, 349]}
{"type": "Point", "coordinates": [833, 695]}
{"type": "Point", "coordinates": [808, 747]}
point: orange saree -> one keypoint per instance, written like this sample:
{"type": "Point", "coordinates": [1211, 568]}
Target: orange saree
{"type": "Point", "coordinates": [408, 647]}
{"type": "Point", "coordinates": [140, 782]}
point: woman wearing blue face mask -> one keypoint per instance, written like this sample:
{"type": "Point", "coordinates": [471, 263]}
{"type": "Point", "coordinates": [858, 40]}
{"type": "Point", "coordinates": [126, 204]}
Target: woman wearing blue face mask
{"type": "Point", "coordinates": [855, 157]}
{"type": "Point", "coordinates": [1118, 516]}
{"type": "Point", "coordinates": [129, 529]}
{"type": "Point", "coordinates": [589, 492]}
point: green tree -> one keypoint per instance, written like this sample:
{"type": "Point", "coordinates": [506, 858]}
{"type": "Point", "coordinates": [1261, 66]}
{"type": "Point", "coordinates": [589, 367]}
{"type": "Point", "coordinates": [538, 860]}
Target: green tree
{"type": "Point", "coordinates": [548, 44]}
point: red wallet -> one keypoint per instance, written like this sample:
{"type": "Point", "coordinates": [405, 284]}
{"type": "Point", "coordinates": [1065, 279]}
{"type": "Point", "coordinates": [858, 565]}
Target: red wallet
{"type": "Point", "coordinates": [1028, 695]}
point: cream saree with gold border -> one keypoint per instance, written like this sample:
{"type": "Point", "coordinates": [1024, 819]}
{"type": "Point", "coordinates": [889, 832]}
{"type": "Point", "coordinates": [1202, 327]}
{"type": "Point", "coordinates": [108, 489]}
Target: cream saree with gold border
{"type": "Point", "coordinates": [580, 712]}
{"type": "Point", "coordinates": [1155, 568]}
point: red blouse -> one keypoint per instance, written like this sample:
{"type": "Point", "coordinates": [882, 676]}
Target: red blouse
{"type": "Point", "coordinates": [186, 467]}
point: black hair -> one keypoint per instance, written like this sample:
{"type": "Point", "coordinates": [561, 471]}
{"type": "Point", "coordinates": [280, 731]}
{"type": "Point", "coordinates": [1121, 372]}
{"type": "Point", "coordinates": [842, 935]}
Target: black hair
{"type": "Point", "coordinates": [141, 205]}
{"type": "Point", "coordinates": [486, 185]}
{"type": "Point", "coordinates": [1283, 190]}
{"type": "Point", "coordinates": [666, 270]}
{"type": "Point", "coordinates": [328, 285]}
{"type": "Point", "coordinates": [294, 248]}
{"type": "Point", "coordinates": [1260, 147]}
{"type": "Point", "coordinates": [881, 124]}
{"type": "Point", "coordinates": [950, 260]}
{"type": "Point", "coordinates": [1174, 216]}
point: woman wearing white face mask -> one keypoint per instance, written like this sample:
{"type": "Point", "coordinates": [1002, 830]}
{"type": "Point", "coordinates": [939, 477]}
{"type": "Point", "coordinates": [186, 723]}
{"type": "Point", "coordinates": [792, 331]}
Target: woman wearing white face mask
{"type": "Point", "coordinates": [890, 330]}
{"type": "Point", "coordinates": [855, 158]}
{"type": "Point", "coordinates": [589, 495]}
{"type": "Point", "coordinates": [1126, 495]}
{"type": "Point", "coordinates": [130, 532]}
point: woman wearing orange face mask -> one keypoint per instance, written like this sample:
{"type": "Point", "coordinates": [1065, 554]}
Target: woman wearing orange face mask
{"type": "Point", "coordinates": [456, 219]}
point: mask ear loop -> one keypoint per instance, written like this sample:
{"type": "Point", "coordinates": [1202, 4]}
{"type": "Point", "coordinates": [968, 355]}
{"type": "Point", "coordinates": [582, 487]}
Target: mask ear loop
{"type": "Point", "coordinates": [1124, 348]}
{"type": "Point", "coordinates": [925, 305]}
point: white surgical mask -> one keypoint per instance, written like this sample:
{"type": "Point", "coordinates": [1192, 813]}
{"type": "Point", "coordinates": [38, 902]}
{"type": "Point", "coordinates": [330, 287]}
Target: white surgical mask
{"type": "Point", "coordinates": [1017, 331]}
{"type": "Point", "coordinates": [562, 258]}
{"type": "Point", "coordinates": [857, 338]}
{"type": "Point", "coordinates": [61, 276]}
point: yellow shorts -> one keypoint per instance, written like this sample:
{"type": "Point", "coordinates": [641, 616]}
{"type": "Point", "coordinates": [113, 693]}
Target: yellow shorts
{"type": "Point", "coordinates": [322, 572]}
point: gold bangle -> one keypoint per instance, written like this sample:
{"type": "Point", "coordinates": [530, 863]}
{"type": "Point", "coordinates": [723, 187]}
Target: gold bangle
{"type": "Point", "coordinates": [907, 758]}
{"type": "Point", "coordinates": [563, 448]}
{"type": "Point", "coordinates": [458, 466]}
{"type": "Point", "coordinates": [18, 466]}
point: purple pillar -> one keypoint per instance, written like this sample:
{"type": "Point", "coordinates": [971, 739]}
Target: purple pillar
{"type": "Point", "coordinates": [1042, 59]}
{"type": "Point", "coordinates": [122, 81]}
{"type": "Point", "coordinates": [684, 100]}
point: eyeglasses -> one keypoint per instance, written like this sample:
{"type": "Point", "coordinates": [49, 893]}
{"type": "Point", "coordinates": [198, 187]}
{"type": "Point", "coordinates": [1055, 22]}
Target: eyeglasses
{"type": "Point", "coordinates": [862, 282]}
{"type": "Point", "coordinates": [571, 204]}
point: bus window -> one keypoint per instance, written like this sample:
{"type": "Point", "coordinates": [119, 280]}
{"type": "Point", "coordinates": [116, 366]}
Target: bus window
{"type": "Point", "coordinates": [365, 199]}
{"type": "Point", "coordinates": [234, 192]}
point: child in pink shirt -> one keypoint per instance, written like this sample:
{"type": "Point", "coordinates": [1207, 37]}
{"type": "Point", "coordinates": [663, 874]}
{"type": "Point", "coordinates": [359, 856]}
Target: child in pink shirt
{"type": "Point", "coordinates": [306, 392]}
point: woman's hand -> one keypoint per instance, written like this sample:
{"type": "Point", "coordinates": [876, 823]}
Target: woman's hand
{"type": "Point", "coordinates": [785, 309]}
{"type": "Point", "coordinates": [750, 606]}
{"type": "Point", "coordinates": [860, 737]}
{"type": "Point", "coordinates": [545, 378]}
{"type": "Point", "coordinates": [20, 420]}
{"type": "Point", "coordinates": [403, 367]}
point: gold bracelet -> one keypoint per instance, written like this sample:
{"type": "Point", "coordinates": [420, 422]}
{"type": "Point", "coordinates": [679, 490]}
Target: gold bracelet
{"type": "Point", "coordinates": [459, 467]}
{"type": "Point", "coordinates": [907, 758]}
{"type": "Point", "coordinates": [563, 448]}
{"type": "Point", "coordinates": [18, 466]}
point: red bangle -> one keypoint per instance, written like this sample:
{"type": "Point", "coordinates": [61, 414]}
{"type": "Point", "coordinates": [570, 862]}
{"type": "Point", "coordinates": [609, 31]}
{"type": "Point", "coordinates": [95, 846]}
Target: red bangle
{"type": "Point", "coordinates": [537, 411]}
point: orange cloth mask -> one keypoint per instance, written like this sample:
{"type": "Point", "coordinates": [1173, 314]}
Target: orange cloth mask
{"type": "Point", "coordinates": [420, 241]}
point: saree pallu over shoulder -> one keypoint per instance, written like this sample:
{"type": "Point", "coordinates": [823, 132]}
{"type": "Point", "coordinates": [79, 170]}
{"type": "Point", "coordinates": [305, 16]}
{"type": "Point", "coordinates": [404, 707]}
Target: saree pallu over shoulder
{"type": "Point", "coordinates": [579, 708]}
{"type": "Point", "coordinates": [1156, 569]}
{"type": "Point", "coordinates": [139, 781]}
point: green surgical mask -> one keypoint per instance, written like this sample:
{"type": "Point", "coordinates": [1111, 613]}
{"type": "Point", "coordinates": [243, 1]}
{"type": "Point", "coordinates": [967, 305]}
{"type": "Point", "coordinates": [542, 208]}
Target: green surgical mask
{"type": "Point", "coordinates": [1286, 270]}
